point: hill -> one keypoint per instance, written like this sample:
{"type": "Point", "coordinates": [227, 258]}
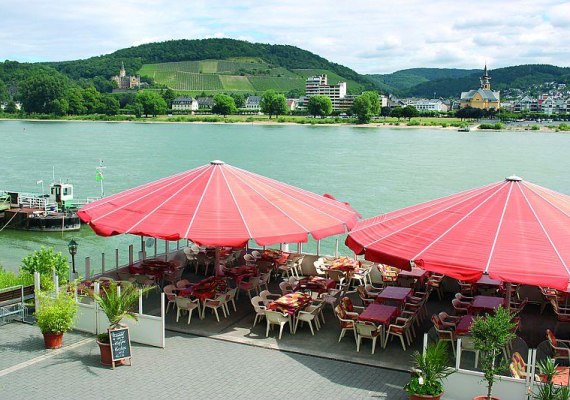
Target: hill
{"type": "Point", "coordinates": [523, 77]}
{"type": "Point", "coordinates": [216, 64]}
{"type": "Point", "coordinates": [400, 81]}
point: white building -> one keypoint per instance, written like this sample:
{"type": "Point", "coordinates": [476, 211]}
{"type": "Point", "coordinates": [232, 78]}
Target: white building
{"type": "Point", "coordinates": [253, 103]}
{"type": "Point", "coordinates": [184, 104]}
{"type": "Point", "coordinates": [318, 85]}
{"type": "Point", "coordinates": [429, 105]}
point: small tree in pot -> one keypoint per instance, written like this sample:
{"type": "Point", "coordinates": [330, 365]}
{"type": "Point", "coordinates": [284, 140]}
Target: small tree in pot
{"type": "Point", "coordinates": [491, 334]}
{"type": "Point", "coordinates": [116, 307]}
{"type": "Point", "coordinates": [428, 372]}
{"type": "Point", "coordinates": [55, 316]}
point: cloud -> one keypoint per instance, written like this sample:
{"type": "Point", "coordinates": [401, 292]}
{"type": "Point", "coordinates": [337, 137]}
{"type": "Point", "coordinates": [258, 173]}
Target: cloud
{"type": "Point", "coordinates": [370, 36]}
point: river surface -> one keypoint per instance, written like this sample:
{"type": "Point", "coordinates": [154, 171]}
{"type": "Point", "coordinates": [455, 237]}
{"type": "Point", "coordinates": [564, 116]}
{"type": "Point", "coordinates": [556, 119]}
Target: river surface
{"type": "Point", "coordinates": [375, 169]}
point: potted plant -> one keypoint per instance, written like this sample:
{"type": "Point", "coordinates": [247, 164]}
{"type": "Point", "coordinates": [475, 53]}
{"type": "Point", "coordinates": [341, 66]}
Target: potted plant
{"type": "Point", "coordinates": [55, 316]}
{"type": "Point", "coordinates": [491, 334]}
{"type": "Point", "coordinates": [116, 307]}
{"type": "Point", "coordinates": [548, 390]}
{"type": "Point", "coordinates": [428, 372]}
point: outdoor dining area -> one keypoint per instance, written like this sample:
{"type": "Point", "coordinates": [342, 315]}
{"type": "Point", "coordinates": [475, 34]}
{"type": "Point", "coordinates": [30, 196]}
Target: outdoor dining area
{"type": "Point", "coordinates": [433, 267]}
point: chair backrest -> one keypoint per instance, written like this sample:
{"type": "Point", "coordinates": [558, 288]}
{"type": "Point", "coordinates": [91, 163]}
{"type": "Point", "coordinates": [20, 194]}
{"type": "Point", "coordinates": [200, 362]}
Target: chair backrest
{"type": "Point", "coordinates": [195, 248]}
{"type": "Point", "coordinates": [362, 293]}
{"type": "Point", "coordinates": [458, 305]}
{"type": "Point", "coordinates": [347, 304]}
{"type": "Point", "coordinates": [365, 328]}
{"type": "Point", "coordinates": [183, 302]}
{"type": "Point", "coordinates": [264, 278]}
{"type": "Point", "coordinates": [257, 303]}
{"type": "Point", "coordinates": [275, 316]}
{"type": "Point", "coordinates": [248, 257]}
{"type": "Point", "coordinates": [443, 316]}
{"type": "Point", "coordinates": [230, 294]}
{"type": "Point", "coordinates": [182, 283]}
{"type": "Point", "coordinates": [285, 287]}
{"type": "Point", "coordinates": [336, 275]}
{"type": "Point", "coordinates": [256, 254]}
{"type": "Point", "coordinates": [168, 290]}
{"type": "Point", "coordinates": [551, 338]}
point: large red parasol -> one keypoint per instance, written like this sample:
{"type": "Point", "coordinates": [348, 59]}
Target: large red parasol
{"type": "Point", "coordinates": [512, 230]}
{"type": "Point", "coordinates": [219, 205]}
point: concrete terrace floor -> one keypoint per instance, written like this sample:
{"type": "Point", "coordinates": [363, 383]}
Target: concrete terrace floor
{"type": "Point", "coordinates": [189, 367]}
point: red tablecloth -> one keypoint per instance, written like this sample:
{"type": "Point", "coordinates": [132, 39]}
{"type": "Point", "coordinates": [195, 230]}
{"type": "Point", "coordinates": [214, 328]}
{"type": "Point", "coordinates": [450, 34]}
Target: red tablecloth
{"type": "Point", "coordinates": [379, 314]}
{"type": "Point", "coordinates": [464, 325]}
{"type": "Point", "coordinates": [290, 303]}
{"type": "Point", "coordinates": [205, 289]}
{"type": "Point", "coordinates": [394, 293]}
{"type": "Point", "coordinates": [486, 303]}
{"type": "Point", "coordinates": [344, 264]}
{"type": "Point", "coordinates": [316, 284]}
{"type": "Point", "coordinates": [485, 280]}
{"type": "Point", "coordinates": [239, 273]}
{"type": "Point", "coordinates": [416, 273]}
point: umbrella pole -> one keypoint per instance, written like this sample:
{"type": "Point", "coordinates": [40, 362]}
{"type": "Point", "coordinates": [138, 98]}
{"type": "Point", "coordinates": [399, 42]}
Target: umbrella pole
{"type": "Point", "coordinates": [508, 286]}
{"type": "Point", "coordinates": [142, 243]}
{"type": "Point", "coordinates": [217, 271]}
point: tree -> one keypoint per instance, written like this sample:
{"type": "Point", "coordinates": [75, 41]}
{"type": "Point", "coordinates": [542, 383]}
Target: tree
{"type": "Point", "coordinates": [59, 107]}
{"type": "Point", "coordinates": [152, 103]}
{"type": "Point", "coordinates": [136, 109]}
{"type": "Point", "coordinates": [40, 89]}
{"type": "Point", "coordinates": [74, 99]}
{"type": "Point", "coordinates": [295, 93]}
{"type": "Point", "coordinates": [4, 95]}
{"type": "Point", "coordinates": [109, 105]}
{"type": "Point", "coordinates": [397, 112]}
{"type": "Point", "coordinates": [91, 99]}
{"type": "Point", "coordinates": [239, 99]}
{"type": "Point", "coordinates": [469, 113]}
{"type": "Point", "coordinates": [224, 105]}
{"type": "Point", "coordinates": [168, 95]}
{"type": "Point", "coordinates": [366, 106]}
{"type": "Point", "coordinates": [319, 105]}
{"type": "Point", "coordinates": [11, 107]}
{"type": "Point", "coordinates": [409, 112]}
{"type": "Point", "coordinates": [273, 103]}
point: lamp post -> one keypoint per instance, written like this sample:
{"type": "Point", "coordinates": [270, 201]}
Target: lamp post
{"type": "Point", "coordinates": [72, 246]}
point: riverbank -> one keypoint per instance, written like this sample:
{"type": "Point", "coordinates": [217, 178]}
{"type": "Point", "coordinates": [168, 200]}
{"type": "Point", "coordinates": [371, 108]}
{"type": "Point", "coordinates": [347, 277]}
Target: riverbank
{"type": "Point", "coordinates": [449, 124]}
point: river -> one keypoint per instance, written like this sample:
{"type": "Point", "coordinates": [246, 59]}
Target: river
{"type": "Point", "coordinates": [375, 169]}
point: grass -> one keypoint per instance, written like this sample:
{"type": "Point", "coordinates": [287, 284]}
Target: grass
{"type": "Point", "coordinates": [236, 83]}
{"type": "Point", "coordinates": [9, 279]}
{"type": "Point", "coordinates": [497, 126]}
{"type": "Point", "coordinates": [208, 67]}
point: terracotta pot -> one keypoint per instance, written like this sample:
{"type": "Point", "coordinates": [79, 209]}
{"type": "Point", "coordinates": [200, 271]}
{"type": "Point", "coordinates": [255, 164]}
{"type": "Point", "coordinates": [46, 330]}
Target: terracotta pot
{"type": "Point", "coordinates": [483, 397]}
{"type": "Point", "coordinates": [53, 340]}
{"type": "Point", "coordinates": [425, 396]}
{"type": "Point", "coordinates": [105, 349]}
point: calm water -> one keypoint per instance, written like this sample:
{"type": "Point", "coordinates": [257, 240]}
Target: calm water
{"type": "Point", "coordinates": [376, 170]}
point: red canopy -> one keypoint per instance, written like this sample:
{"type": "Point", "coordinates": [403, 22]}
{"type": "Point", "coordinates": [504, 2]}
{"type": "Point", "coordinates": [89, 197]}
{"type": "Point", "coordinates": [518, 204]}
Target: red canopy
{"type": "Point", "coordinates": [219, 205]}
{"type": "Point", "coordinates": [513, 230]}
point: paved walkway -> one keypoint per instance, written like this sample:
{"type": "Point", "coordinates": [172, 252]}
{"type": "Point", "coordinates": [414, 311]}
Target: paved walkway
{"type": "Point", "coordinates": [189, 367]}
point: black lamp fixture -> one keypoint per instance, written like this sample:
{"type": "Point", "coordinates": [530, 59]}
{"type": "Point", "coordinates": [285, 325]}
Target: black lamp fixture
{"type": "Point", "coordinates": [72, 246]}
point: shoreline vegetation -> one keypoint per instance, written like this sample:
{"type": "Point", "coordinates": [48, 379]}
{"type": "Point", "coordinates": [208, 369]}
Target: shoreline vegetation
{"type": "Point", "coordinates": [387, 122]}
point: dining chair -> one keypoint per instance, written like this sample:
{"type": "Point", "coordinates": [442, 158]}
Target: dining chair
{"type": "Point", "coordinates": [367, 330]}
{"type": "Point", "coordinates": [277, 318]}
{"type": "Point", "coordinates": [248, 285]}
{"type": "Point", "coordinates": [169, 291]}
{"type": "Point", "coordinates": [346, 322]}
{"type": "Point", "coordinates": [401, 329]}
{"type": "Point", "coordinates": [268, 297]}
{"type": "Point", "coordinates": [183, 303]}
{"type": "Point", "coordinates": [309, 317]}
{"type": "Point", "coordinates": [214, 304]}
{"type": "Point", "coordinates": [259, 307]}
{"type": "Point", "coordinates": [560, 348]}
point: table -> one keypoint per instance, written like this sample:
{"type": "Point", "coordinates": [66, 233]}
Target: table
{"type": "Point", "coordinates": [416, 273]}
{"type": "Point", "coordinates": [240, 273]}
{"type": "Point", "coordinates": [394, 294]}
{"type": "Point", "coordinates": [464, 325]}
{"type": "Point", "coordinates": [316, 284]}
{"type": "Point", "coordinates": [486, 304]}
{"type": "Point", "coordinates": [290, 303]}
{"type": "Point", "coordinates": [343, 264]}
{"type": "Point", "coordinates": [379, 314]}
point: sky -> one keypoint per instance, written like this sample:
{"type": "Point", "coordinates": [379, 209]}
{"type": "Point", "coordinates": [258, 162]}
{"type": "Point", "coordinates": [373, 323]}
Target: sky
{"type": "Point", "coordinates": [369, 36]}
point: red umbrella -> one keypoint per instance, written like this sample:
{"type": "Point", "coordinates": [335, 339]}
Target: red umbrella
{"type": "Point", "coordinates": [512, 230]}
{"type": "Point", "coordinates": [219, 205]}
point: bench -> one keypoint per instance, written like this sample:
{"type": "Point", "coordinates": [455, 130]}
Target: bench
{"type": "Point", "coordinates": [12, 303]}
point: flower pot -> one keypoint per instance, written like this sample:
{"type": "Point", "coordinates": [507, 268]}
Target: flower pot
{"type": "Point", "coordinates": [425, 396]}
{"type": "Point", "coordinates": [53, 340]}
{"type": "Point", "coordinates": [483, 397]}
{"type": "Point", "coordinates": [105, 349]}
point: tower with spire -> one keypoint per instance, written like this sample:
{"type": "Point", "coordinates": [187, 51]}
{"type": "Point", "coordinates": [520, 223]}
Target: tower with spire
{"type": "Point", "coordinates": [484, 97]}
{"type": "Point", "coordinates": [125, 81]}
{"type": "Point", "coordinates": [485, 79]}
{"type": "Point", "coordinates": [123, 73]}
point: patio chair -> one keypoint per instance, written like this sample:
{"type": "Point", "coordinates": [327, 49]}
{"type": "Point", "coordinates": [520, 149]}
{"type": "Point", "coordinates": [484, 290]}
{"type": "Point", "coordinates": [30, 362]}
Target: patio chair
{"type": "Point", "coordinates": [264, 280]}
{"type": "Point", "coordinates": [443, 333]}
{"type": "Point", "coordinates": [259, 308]}
{"type": "Point", "coordinates": [337, 276]}
{"type": "Point", "coordinates": [308, 316]}
{"type": "Point", "coordinates": [183, 283]}
{"type": "Point", "coordinates": [467, 300]}
{"type": "Point", "coordinates": [359, 278]}
{"type": "Point", "coordinates": [267, 297]}
{"type": "Point", "coordinates": [400, 328]}
{"type": "Point", "coordinates": [169, 291]}
{"type": "Point", "coordinates": [459, 307]}
{"type": "Point", "coordinates": [562, 313]}
{"type": "Point", "coordinates": [214, 304]}
{"type": "Point", "coordinates": [183, 303]}
{"type": "Point", "coordinates": [351, 308]}
{"type": "Point", "coordinates": [250, 260]}
{"type": "Point", "coordinates": [560, 348]}
{"type": "Point", "coordinates": [367, 330]}
{"type": "Point", "coordinates": [346, 322]}
{"type": "Point", "coordinates": [333, 296]}
{"type": "Point", "coordinates": [202, 259]}
{"type": "Point", "coordinates": [248, 285]}
{"type": "Point", "coordinates": [319, 264]}
{"type": "Point", "coordinates": [517, 308]}
{"type": "Point", "coordinates": [434, 281]}
{"type": "Point", "coordinates": [277, 318]}
{"type": "Point", "coordinates": [256, 254]}
{"type": "Point", "coordinates": [286, 287]}
{"type": "Point", "coordinates": [365, 297]}
{"type": "Point", "coordinates": [296, 269]}
{"type": "Point", "coordinates": [467, 288]}
{"type": "Point", "coordinates": [548, 294]}
{"type": "Point", "coordinates": [447, 320]}
{"type": "Point", "coordinates": [230, 297]}
{"type": "Point", "coordinates": [467, 344]}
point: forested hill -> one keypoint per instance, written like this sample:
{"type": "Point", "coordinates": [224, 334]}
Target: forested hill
{"type": "Point", "coordinates": [134, 58]}
{"type": "Point", "coordinates": [519, 77]}
{"type": "Point", "coordinates": [400, 81]}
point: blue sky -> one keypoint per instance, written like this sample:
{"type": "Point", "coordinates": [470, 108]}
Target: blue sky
{"type": "Point", "coordinates": [370, 36]}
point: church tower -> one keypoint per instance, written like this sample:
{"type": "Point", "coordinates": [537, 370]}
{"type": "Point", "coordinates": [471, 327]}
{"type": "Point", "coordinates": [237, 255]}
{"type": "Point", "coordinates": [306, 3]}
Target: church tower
{"type": "Point", "coordinates": [122, 72]}
{"type": "Point", "coordinates": [485, 79]}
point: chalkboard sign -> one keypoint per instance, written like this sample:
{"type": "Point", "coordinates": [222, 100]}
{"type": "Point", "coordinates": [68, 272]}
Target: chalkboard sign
{"type": "Point", "coordinates": [120, 344]}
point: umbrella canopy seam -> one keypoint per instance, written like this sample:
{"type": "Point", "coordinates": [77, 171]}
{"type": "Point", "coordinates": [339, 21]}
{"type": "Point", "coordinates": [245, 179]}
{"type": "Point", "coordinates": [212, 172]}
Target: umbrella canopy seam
{"type": "Point", "coordinates": [498, 230]}
{"type": "Point", "coordinates": [237, 205]}
{"type": "Point", "coordinates": [417, 222]}
{"type": "Point", "coordinates": [186, 234]}
{"type": "Point", "coordinates": [546, 200]}
{"type": "Point", "coordinates": [457, 223]}
{"type": "Point", "coordinates": [430, 203]}
{"type": "Point", "coordinates": [544, 230]}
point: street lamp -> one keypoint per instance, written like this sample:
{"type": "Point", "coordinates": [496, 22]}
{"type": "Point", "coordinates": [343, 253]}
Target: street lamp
{"type": "Point", "coordinates": [72, 246]}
